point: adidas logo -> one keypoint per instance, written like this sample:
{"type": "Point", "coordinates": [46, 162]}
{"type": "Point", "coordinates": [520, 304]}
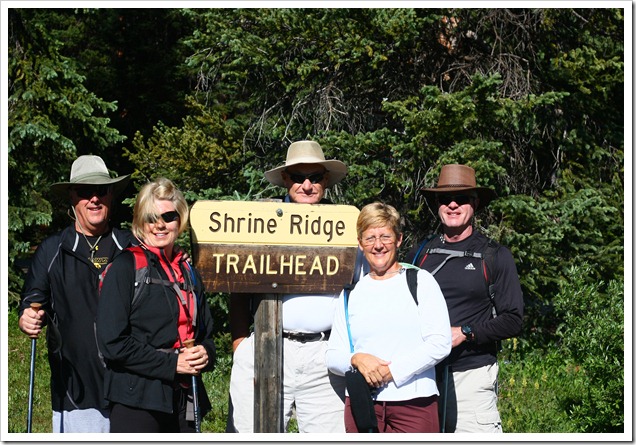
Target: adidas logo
{"type": "Point", "coordinates": [469, 266]}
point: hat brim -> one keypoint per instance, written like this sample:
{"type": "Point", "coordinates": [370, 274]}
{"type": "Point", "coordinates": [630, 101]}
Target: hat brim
{"type": "Point", "coordinates": [119, 184]}
{"type": "Point", "coordinates": [485, 194]}
{"type": "Point", "coordinates": [337, 171]}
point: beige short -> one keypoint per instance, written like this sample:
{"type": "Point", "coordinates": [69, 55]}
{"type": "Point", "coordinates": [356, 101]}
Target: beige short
{"type": "Point", "coordinates": [471, 405]}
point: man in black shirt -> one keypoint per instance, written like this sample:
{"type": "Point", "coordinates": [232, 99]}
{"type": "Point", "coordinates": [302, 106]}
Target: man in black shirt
{"type": "Point", "coordinates": [480, 284]}
{"type": "Point", "coordinates": [64, 277]}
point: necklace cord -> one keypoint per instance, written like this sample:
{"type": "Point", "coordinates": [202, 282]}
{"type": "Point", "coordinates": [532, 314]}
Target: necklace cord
{"type": "Point", "coordinates": [92, 247]}
{"type": "Point", "coordinates": [400, 270]}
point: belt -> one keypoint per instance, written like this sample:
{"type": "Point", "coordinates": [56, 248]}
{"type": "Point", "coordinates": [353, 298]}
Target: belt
{"type": "Point", "coordinates": [305, 337]}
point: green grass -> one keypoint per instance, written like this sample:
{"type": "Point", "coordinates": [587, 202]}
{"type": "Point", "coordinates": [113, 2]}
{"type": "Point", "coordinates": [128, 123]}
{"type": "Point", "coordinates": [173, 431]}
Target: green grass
{"type": "Point", "coordinates": [533, 389]}
{"type": "Point", "coordinates": [18, 364]}
{"type": "Point", "coordinates": [217, 384]}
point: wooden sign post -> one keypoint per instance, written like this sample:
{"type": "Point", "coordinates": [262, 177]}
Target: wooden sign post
{"type": "Point", "coordinates": [272, 248]}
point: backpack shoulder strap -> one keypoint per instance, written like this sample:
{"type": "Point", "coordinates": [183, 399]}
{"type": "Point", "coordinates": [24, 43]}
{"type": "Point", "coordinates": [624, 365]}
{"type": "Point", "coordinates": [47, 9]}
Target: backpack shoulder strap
{"type": "Point", "coordinates": [361, 267]}
{"type": "Point", "coordinates": [190, 278]}
{"type": "Point", "coordinates": [411, 279]}
{"type": "Point", "coordinates": [142, 274]}
{"type": "Point", "coordinates": [141, 260]}
{"type": "Point", "coordinates": [345, 294]}
{"type": "Point", "coordinates": [421, 248]}
{"type": "Point", "coordinates": [190, 281]}
{"type": "Point", "coordinates": [488, 266]}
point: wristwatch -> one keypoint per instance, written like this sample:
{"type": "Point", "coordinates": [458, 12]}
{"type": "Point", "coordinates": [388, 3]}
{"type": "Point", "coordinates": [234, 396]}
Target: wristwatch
{"type": "Point", "coordinates": [467, 330]}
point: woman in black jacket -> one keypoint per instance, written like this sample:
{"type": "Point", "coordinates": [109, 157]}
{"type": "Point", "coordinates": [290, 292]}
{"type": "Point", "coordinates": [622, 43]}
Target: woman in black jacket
{"type": "Point", "coordinates": [151, 303]}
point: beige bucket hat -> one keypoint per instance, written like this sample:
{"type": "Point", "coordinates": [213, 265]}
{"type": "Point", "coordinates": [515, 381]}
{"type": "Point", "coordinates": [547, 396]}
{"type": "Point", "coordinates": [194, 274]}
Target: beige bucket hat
{"type": "Point", "coordinates": [308, 152]}
{"type": "Point", "coordinates": [456, 178]}
{"type": "Point", "coordinates": [90, 170]}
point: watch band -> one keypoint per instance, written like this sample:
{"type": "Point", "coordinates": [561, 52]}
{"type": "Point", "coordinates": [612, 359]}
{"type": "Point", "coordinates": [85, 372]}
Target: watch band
{"type": "Point", "coordinates": [467, 330]}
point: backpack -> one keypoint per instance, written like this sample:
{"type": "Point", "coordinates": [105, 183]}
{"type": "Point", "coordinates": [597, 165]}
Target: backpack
{"type": "Point", "coordinates": [487, 258]}
{"type": "Point", "coordinates": [143, 278]}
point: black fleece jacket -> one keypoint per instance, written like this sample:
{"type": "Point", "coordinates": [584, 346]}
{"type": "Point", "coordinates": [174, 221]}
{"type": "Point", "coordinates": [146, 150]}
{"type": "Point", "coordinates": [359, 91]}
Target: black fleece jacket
{"type": "Point", "coordinates": [131, 337]}
{"type": "Point", "coordinates": [66, 284]}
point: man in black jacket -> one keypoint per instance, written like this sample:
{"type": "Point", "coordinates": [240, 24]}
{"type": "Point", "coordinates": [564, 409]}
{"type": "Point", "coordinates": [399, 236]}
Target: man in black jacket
{"type": "Point", "coordinates": [485, 303]}
{"type": "Point", "coordinates": [64, 278]}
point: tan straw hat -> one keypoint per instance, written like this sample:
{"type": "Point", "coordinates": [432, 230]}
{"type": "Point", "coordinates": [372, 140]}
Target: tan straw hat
{"type": "Point", "coordinates": [457, 178]}
{"type": "Point", "coordinates": [90, 170]}
{"type": "Point", "coordinates": [308, 152]}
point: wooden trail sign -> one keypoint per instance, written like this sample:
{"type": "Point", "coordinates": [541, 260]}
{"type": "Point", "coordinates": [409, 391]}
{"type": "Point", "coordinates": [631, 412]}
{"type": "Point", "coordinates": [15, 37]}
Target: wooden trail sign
{"type": "Point", "coordinates": [271, 248]}
{"type": "Point", "coordinates": [263, 247]}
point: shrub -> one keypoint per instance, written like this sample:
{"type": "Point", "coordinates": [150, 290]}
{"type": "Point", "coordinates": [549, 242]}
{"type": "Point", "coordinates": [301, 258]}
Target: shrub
{"type": "Point", "coordinates": [575, 385]}
{"type": "Point", "coordinates": [593, 349]}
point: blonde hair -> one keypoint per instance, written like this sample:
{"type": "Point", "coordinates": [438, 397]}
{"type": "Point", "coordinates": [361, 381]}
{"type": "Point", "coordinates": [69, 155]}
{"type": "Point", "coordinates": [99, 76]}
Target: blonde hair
{"type": "Point", "coordinates": [379, 214]}
{"type": "Point", "coordinates": [161, 189]}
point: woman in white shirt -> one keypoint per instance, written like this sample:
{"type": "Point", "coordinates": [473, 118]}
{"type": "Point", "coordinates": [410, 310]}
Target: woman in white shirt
{"type": "Point", "coordinates": [394, 341]}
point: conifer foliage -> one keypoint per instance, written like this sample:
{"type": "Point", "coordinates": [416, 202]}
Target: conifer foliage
{"type": "Point", "coordinates": [533, 99]}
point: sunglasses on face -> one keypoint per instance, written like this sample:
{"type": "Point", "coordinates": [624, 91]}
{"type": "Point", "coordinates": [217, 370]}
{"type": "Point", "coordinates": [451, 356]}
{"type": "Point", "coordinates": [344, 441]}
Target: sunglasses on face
{"type": "Point", "coordinates": [90, 191]}
{"type": "Point", "coordinates": [167, 217]}
{"type": "Point", "coordinates": [314, 178]}
{"type": "Point", "coordinates": [458, 199]}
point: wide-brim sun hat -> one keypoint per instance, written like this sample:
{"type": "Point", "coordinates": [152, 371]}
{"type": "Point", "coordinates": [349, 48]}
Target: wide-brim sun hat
{"type": "Point", "coordinates": [90, 170]}
{"type": "Point", "coordinates": [457, 178]}
{"type": "Point", "coordinates": [308, 152]}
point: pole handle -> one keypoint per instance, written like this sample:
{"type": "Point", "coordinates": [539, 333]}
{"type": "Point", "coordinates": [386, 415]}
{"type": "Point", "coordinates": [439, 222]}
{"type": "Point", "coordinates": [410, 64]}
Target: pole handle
{"type": "Point", "coordinates": [195, 392]}
{"type": "Point", "coordinates": [36, 307]}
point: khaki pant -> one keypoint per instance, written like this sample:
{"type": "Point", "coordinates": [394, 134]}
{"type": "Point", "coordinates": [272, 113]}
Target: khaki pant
{"type": "Point", "coordinates": [316, 395]}
{"type": "Point", "coordinates": [471, 406]}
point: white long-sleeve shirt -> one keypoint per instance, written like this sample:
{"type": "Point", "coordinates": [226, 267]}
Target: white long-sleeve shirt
{"type": "Point", "coordinates": [386, 323]}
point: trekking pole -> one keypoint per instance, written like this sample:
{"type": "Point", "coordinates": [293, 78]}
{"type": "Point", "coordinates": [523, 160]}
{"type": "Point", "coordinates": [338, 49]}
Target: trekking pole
{"type": "Point", "coordinates": [195, 393]}
{"type": "Point", "coordinates": [36, 307]}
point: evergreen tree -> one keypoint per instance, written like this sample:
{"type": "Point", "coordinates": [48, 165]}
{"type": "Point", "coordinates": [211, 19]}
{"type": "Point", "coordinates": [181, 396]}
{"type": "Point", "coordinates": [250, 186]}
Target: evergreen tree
{"type": "Point", "coordinates": [53, 118]}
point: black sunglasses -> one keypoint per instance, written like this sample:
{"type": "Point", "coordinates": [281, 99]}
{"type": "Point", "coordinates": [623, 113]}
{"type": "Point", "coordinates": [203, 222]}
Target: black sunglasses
{"type": "Point", "coordinates": [167, 217]}
{"type": "Point", "coordinates": [459, 199]}
{"type": "Point", "coordinates": [314, 178]}
{"type": "Point", "coordinates": [88, 192]}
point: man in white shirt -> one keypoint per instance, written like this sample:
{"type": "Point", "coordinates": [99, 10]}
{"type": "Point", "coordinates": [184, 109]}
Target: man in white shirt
{"type": "Point", "coordinates": [316, 395]}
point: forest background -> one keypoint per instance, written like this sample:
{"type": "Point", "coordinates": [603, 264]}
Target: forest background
{"type": "Point", "coordinates": [532, 98]}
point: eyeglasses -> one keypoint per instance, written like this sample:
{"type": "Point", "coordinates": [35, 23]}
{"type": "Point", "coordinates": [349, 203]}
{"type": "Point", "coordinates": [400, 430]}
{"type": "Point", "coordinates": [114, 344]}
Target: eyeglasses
{"type": "Point", "coordinates": [167, 217]}
{"type": "Point", "coordinates": [88, 192]}
{"type": "Point", "coordinates": [459, 199]}
{"type": "Point", "coordinates": [384, 239]}
{"type": "Point", "coordinates": [314, 178]}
